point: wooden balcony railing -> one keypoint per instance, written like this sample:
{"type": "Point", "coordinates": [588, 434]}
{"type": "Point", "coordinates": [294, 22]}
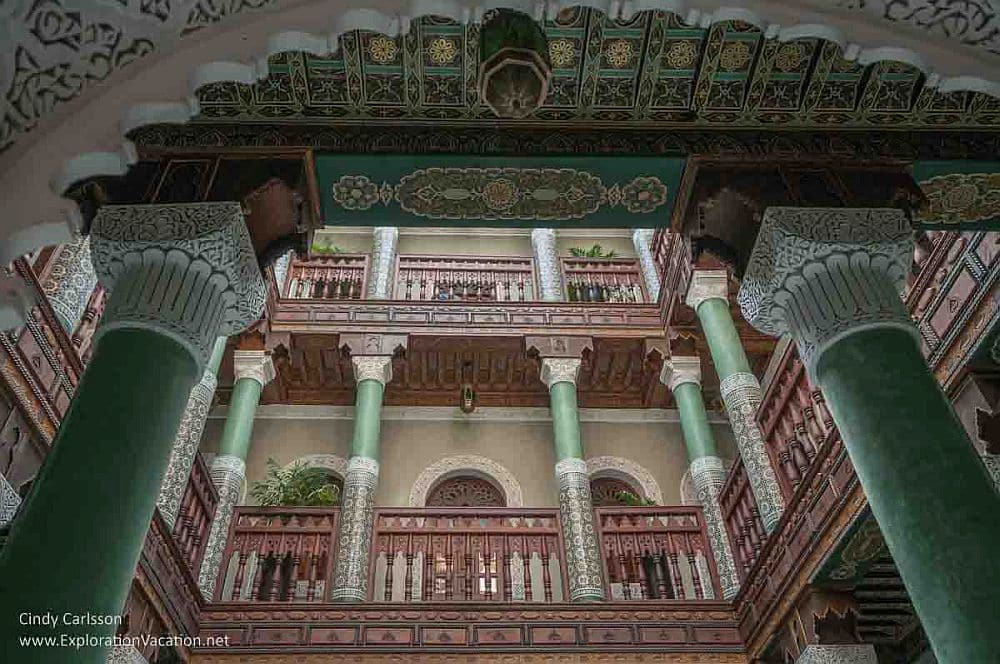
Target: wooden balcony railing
{"type": "Point", "coordinates": [464, 278]}
{"type": "Point", "coordinates": [742, 516]}
{"type": "Point", "coordinates": [603, 280]}
{"type": "Point", "coordinates": [656, 553]}
{"type": "Point", "coordinates": [278, 554]}
{"type": "Point", "coordinates": [194, 518]}
{"type": "Point", "coordinates": [467, 554]}
{"type": "Point", "coordinates": [328, 277]}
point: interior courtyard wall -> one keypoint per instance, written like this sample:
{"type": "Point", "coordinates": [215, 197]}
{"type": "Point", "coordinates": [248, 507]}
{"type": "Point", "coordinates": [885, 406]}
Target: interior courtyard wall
{"type": "Point", "coordinates": [523, 447]}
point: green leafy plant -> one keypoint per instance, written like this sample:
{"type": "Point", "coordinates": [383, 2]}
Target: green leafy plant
{"type": "Point", "coordinates": [632, 500]}
{"type": "Point", "coordinates": [325, 248]}
{"type": "Point", "coordinates": [597, 251]}
{"type": "Point", "coordinates": [297, 485]}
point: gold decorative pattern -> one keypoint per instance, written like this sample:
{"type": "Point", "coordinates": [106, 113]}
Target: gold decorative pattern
{"type": "Point", "coordinates": [961, 197]}
{"type": "Point", "coordinates": [734, 56]}
{"type": "Point", "coordinates": [788, 58]}
{"type": "Point", "coordinates": [682, 55]}
{"type": "Point", "coordinates": [619, 53]}
{"type": "Point", "coordinates": [442, 51]}
{"type": "Point", "coordinates": [561, 52]}
{"type": "Point", "coordinates": [382, 50]}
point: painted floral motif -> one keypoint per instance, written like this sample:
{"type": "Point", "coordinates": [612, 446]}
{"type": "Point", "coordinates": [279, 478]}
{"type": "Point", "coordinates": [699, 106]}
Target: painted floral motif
{"type": "Point", "coordinates": [356, 192]}
{"type": "Point", "coordinates": [561, 52]}
{"type": "Point", "coordinates": [961, 197]}
{"type": "Point", "coordinates": [501, 193]}
{"type": "Point", "coordinates": [382, 49]}
{"type": "Point", "coordinates": [682, 54]}
{"type": "Point", "coordinates": [619, 53]}
{"type": "Point", "coordinates": [442, 51]}
{"type": "Point", "coordinates": [788, 58]}
{"type": "Point", "coordinates": [735, 55]}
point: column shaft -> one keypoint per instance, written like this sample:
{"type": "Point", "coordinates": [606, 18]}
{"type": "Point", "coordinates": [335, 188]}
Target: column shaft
{"type": "Point", "coordinates": [550, 285]}
{"type": "Point", "coordinates": [642, 239]}
{"type": "Point", "coordinates": [70, 281]}
{"type": "Point", "coordinates": [929, 493]}
{"type": "Point", "coordinates": [384, 241]}
{"type": "Point", "coordinates": [75, 546]}
{"type": "Point", "coordinates": [742, 395]}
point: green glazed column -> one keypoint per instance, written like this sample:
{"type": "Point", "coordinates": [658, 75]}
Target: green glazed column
{"type": "Point", "coordinates": [357, 511]}
{"type": "Point", "coordinates": [583, 557]}
{"type": "Point", "coordinates": [189, 437]}
{"type": "Point", "coordinates": [683, 376]}
{"type": "Point", "coordinates": [252, 370]}
{"type": "Point", "coordinates": [178, 276]}
{"type": "Point", "coordinates": [831, 278]}
{"type": "Point", "coordinates": [708, 295]}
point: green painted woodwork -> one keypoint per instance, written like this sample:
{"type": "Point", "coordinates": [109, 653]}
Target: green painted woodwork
{"type": "Point", "coordinates": [75, 546]}
{"type": "Point", "coordinates": [652, 70]}
{"type": "Point", "coordinates": [723, 339]}
{"type": "Point", "coordinates": [367, 419]}
{"type": "Point", "coordinates": [961, 195]}
{"type": "Point", "coordinates": [235, 439]}
{"type": "Point", "coordinates": [215, 360]}
{"type": "Point", "coordinates": [565, 421]}
{"type": "Point", "coordinates": [929, 492]}
{"type": "Point", "coordinates": [454, 190]}
{"type": "Point", "coordinates": [698, 436]}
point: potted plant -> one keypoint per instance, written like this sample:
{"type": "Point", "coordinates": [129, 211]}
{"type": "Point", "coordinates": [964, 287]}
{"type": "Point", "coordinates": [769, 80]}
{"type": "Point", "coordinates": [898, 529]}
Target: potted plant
{"type": "Point", "coordinates": [632, 500]}
{"type": "Point", "coordinates": [325, 247]}
{"type": "Point", "coordinates": [597, 252]}
{"type": "Point", "coordinates": [297, 485]}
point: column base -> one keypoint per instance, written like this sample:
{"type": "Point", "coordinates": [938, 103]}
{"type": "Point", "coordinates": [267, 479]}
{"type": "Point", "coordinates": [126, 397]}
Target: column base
{"type": "Point", "coordinates": [349, 595]}
{"type": "Point", "coordinates": [841, 654]}
{"type": "Point", "coordinates": [586, 595]}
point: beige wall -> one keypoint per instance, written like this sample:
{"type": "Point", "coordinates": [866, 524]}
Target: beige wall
{"type": "Point", "coordinates": [524, 448]}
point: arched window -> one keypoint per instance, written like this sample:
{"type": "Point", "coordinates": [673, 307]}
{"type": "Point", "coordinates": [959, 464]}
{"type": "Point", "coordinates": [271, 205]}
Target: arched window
{"type": "Point", "coordinates": [465, 491]}
{"type": "Point", "coordinates": [604, 491]}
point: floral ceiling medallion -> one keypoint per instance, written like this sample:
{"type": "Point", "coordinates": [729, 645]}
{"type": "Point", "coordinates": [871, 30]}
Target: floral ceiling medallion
{"type": "Point", "coordinates": [501, 193]}
{"type": "Point", "coordinates": [961, 197]}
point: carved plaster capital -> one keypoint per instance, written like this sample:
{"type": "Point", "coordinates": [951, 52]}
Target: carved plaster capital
{"type": "Point", "coordinates": [253, 364]}
{"type": "Point", "coordinates": [560, 370]}
{"type": "Point", "coordinates": [679, 370]}
{"type": "Point", "coordinates": [372, 367]}
{"type": "Point", "coordinates": [707, 285]}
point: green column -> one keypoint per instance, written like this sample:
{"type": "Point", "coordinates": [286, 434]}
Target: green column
{"type": "Point", "coordinates": [708, 295]}
{"type": "Point", "coordinates": [178, 276]}
{"type": "Point", "coordinates": [252, 370]}
{"type": "Point", "coordinates": [185, 447]}
{"type": "Point", "coordinates": [835, 289]}
{"type": "Point", "coordinates": [350, 579]}
{"type": "Point", "coordinates": [583, 558]}
{"type": "Point", "coordinates": [683, 376]}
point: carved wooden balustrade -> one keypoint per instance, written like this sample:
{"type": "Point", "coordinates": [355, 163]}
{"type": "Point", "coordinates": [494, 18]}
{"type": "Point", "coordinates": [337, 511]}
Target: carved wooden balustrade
{"type": "Point", "coordinates": [603, 280]}
{"type": "Point", "coordinates": [83, 335]}
{"type": "Point", "coordinates": [328, 277]}
{"type": "Point", "coordinates": [467, 554]}
{"type": "Point", "coordinates": [194, 518]}
{"type": "Point", "coordinates": [742, 517]}
{"type": "Point", "coordinates": [464, 278]}
{"type": "Point", "coordinates": [278, 554]}
{"type": "Point", "coordinates": [656, 553]}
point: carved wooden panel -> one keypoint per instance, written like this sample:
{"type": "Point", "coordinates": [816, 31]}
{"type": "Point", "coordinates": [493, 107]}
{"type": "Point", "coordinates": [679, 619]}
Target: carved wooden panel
{"type": "Point", "coordinates": [465, 491]}
{"type": "Point", "coordinates": [604, 491]}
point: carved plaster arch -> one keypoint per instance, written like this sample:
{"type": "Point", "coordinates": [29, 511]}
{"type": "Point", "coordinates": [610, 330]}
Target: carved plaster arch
{"type": "Point", "coordinates": [76, 128]}
{"type": "Point", "coordinates": [462, 464]}
{"type": "Point", "coordinates": [337, 464]}
{"type": "Point", "coordinates": [689, 493]}
{"type": "Point", "coordinates": [629, 471]}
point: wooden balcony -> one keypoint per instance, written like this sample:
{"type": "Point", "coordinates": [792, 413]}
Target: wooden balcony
{"type": "Point", "coordinates": [615, 280]}
{"type": "Point", "coordinates": [464, 279]}
{"type": "Point", "coordinates": [194, 518]}
{"type": "Point", "coordinates": [327, 277]}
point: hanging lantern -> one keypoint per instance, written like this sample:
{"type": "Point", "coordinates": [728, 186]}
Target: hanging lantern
{"type": "Point", "coordinates": [467, 402]}
{"type": "Point", "coordinates": [515, 71]}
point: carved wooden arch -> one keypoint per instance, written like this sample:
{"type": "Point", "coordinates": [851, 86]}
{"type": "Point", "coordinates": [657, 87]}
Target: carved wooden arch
{"type": "Point", "coordinates": [627, 470]}
{"type": "Point", "coordinates": [466, 464]}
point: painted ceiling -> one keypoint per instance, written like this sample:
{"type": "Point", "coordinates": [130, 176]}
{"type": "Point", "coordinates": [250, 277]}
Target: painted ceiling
{"type": "Point", "coordinates": [652, 69]}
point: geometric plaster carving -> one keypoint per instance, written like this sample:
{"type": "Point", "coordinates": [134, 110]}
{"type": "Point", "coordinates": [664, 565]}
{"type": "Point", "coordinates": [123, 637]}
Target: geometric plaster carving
{"type": "Point", "coordinates": [628, 471]}
{"type": "Point", "coordinates": [331, 462]}
{"type": "Point", "coordinates": [466, 464]}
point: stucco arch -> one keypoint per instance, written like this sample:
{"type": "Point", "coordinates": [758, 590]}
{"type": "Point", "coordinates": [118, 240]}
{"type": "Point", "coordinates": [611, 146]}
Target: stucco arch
{"type": "Point", "coordinates": [466, 464]}
{"type": "Point", "coordinates": [628, 471]}
{"type": "Point", "coordinates": [70, 127]}
{"type": "Point", "coordinates": [337, 464]}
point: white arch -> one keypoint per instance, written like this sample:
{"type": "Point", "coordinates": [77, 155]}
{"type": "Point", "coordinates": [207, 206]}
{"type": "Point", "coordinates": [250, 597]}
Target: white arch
{"type": "Point", "coordinates": [627, 470]}
{"type": "Point", "coordinates": [337, 464]}
{"type": "Point", "coordinates": [462, 464]}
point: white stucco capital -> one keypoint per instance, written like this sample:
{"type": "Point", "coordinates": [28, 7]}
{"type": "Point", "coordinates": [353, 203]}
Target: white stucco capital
{"type": "Point", "coordinates": [372, 367]}
{"type": "Point", "coordinates": [253, 364]}
{"type": "Point", "coordinates": [560, 370]}
{"type": "Point", "coordinates": [678, 370]}
{"type": "Point", "coordinates": [707, 285]}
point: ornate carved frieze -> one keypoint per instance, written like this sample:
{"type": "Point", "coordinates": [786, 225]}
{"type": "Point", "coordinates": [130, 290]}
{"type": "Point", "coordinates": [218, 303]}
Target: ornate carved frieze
{"type": "Point", "coordinates": [960, 198]}
{"type": "Point", "coordinates": [838, 654]}
{"type": "Point", "coordinates": [253, 365]}
{"type": "Point", "coordinates": [678, 370]}
{"type": "Point", "coordinates": [185, 447]}
{"type": "Point", "coordinates": [462, 464]}
{"type": "Point", "coordinates": [141, 252]}
{"type": "Point", "coordinates": [630, 471]}
{"type": "Point", "coordinates": [823, 273]}
{"type": "Point", "coordinates": [583, 558]}
{"type": "Point", "coordinates": [228, 475]}
{"type": "Point", "coordinates": [560, 370]}
{"type": "Point", "coordinates": [543, 243]}
{"type": "Point", "coordinates": [972, 22]}
{"type": "Point", "coordinates": [384, 241]}
{"type": "Point", "coordinates": [69, 282]}
{"type": "Point", "coordinates": [742, 395]}
{"type": "Point", "coordinates": [350, 578]}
